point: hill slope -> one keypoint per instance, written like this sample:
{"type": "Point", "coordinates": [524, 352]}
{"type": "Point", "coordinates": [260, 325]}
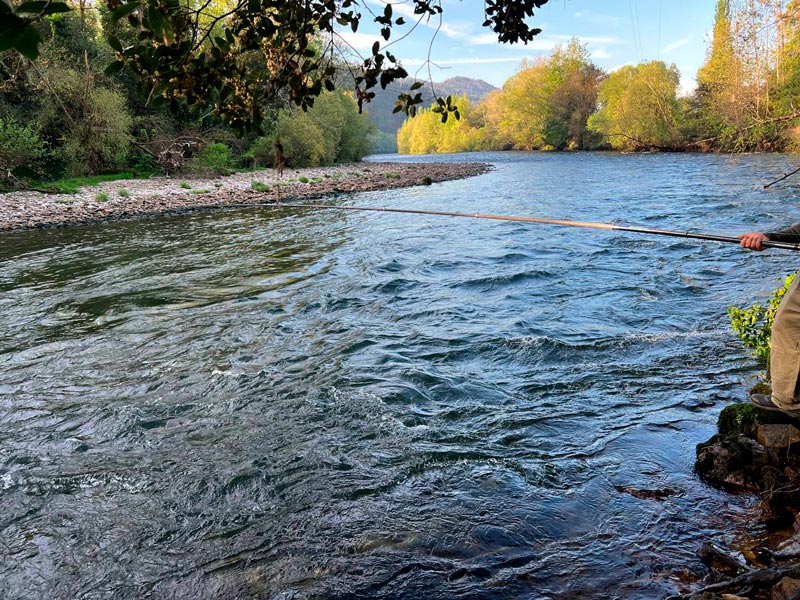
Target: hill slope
{"type": "Point", "coordinates": [381, 107]}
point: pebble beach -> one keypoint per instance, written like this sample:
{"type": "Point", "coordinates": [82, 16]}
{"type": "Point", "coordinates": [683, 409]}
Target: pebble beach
{"type": "Point", "coordinates": [131, 198]}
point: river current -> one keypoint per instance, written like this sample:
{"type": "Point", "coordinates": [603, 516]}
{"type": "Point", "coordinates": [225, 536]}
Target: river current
{"type": "Point", "coordinates": [284, 404]}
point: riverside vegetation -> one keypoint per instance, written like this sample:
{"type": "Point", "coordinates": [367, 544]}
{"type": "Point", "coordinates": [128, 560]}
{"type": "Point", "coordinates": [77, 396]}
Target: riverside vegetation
{"type": "Point", "coordinates": [743, 100]}
{"type": "Point", "coordinates": [68, 114]}
{"type": "Point", "coordinates": [96, 87]}
{"type": "Point", "coordinates": [64, 117]}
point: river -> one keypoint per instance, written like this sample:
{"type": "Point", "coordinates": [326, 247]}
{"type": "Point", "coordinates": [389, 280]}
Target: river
{"type": "Point", "coordinates": [288, 404]}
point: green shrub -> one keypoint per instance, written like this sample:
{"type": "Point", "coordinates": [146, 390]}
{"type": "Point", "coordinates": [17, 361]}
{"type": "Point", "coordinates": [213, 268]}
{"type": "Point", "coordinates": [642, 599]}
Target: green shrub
{"type": "Point", "coordinates": [203, 191]}
{"type": "Point", "coordinates": [754, 325]}
{"type": "Point", "coordinates": [258, 186]}
{"type": "Point", "coordinates": [20, 145]}
{"type": "Point", "coordinates": [93, 121]}
{"type": "Point", "coordinates": [185, 185]}
{"type": "Point", "coordinates": [101, 197]}
{"type": "Point", "coordinates": [303, 179]}
{"type": "Point", "coordinates": [301, 139]}
{"type": "Point", "coordinates": [124, 193]}
{"type": "Point", "coordinates": [73, 184]}
{"type": "Point", "coordinates": [262, 152]}
{"type": "Point", "coordinates": [215, 156]}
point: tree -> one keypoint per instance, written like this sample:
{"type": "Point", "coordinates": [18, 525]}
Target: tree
{"type": "Point", "coordinates": [182, 56]}
{"type": "Point", "coordinates": [639, 108]}
{"type": "Point", "coordinates": [426, 134]}
{"type": "Point", "coordinates": [576, 82]}
{"type": "Point", "coordinates": [720, 80]}
{"type": "Point", "coordinates": [19, 145]}
{"type": "Point", "coordinates": [526, 106]}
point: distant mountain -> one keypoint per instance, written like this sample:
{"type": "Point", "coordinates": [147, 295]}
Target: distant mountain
{"type": "Point", "coordinates": [381, 107]}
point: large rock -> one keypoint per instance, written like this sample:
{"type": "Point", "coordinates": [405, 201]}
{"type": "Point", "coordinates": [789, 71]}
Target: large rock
{"type": "Point", "coordinates": [786, 589]}
{"type": "Point", "coordinates": [732, 461]}
{"type": "Point", "coordinates": [755, 451]}
{"type": "Point", "coordinates": [775, 435]}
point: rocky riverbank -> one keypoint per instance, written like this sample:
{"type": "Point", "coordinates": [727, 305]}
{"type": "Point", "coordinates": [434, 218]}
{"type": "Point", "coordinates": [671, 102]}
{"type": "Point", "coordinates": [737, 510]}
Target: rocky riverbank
{"type": "Point", "coordinates": [175, 195]}
{"type": "Point", "coordinates": [755, 451]}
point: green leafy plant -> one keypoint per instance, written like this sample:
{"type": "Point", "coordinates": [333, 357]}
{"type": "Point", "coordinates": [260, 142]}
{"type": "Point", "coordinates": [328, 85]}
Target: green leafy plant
{"type": "Point", "coordinates": [259, 186]}
{"type": "Point", "coordinates": [215, 156]}
{"type": "Point", "coordinates": [754, 325]}
{"type": "Point", "coordinates": [185, 185]}
{"type": "Point", "coordinates": [20, 144]}
{"type": "Point", "coordinates": [203, 191]}
{"type": "Point", "coordinates": [101, 197]}
{"type": "Point", "coordinates": [73, 184]}
{"type": "Point", "coordinates": [124, 193]}
{"type": "Point", "coordinates": [303, 179]}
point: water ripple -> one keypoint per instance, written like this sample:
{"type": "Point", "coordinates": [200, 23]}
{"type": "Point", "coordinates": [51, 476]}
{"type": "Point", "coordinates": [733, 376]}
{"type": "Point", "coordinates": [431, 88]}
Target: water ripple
{"type": "Point", "coordinates": [258, 405]}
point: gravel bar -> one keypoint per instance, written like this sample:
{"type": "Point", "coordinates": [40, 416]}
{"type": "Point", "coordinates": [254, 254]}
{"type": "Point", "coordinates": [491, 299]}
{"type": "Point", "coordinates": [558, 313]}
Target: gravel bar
{"type": "Point", "coordinates": [131, 198]}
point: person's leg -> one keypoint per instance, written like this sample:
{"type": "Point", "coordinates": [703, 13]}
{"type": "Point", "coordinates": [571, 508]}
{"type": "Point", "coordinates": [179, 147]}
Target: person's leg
{"type": "Point", "coordinates": [785, 350]}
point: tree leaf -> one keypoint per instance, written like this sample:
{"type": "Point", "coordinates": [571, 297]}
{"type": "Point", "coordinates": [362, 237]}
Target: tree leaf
{"type": "Point", "coordinates": [114, 68]}
{"type": "Point", "coordinates": [44, 7]}
{"type": "Point", "coordinates": [114, 43]}
{"type": "Point", "coordinates": [27, 43]}
{"type": "Point", "coordinates": [123, 11]}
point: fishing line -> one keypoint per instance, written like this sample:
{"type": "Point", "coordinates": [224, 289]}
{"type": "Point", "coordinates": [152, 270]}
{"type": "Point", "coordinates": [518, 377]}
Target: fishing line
{"type": "Point", "coordinates": [540, 221]}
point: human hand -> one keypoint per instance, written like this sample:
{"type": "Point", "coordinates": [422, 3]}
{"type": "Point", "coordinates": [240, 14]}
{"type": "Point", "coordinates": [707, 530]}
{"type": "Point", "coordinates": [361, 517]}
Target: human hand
{"type": "Point", "coordinates": [753, 241]}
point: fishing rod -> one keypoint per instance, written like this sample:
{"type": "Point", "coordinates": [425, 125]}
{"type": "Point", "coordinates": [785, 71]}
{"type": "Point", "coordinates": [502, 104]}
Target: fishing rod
{"type": "Point", "coordinates": [520, 219]}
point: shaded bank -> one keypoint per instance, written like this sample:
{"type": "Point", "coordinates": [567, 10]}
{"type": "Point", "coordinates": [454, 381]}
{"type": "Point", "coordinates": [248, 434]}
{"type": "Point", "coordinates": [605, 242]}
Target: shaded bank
{"type": "Point", "coordinates": [170, 196]}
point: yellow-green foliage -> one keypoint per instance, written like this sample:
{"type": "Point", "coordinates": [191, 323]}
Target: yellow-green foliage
{"type": "Point", "coordinates": [640, 107]}
{"type": "Point", "coordinates": [754, 324]}
{"type": "Point", "coordinates": [331, 131]}
{"type": "Point", "coordinates": [426, 134]}
{"type": "Point", "coordinates": [545, 105]}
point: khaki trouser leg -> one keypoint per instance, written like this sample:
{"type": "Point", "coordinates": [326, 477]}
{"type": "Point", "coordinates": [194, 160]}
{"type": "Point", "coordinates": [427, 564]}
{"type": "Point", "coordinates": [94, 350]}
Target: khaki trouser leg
{"type": "Point", "coordinates": [785, 350]}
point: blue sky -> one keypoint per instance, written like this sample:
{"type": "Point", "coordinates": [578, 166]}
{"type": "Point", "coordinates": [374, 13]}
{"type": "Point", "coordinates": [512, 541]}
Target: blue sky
{"type": "Point", "coordinates": [617, 32]}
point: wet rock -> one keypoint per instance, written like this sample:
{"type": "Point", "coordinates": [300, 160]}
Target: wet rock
{"type": "Point", "coordinates": [776, 435]}
{"type": "Point", "coordinates": [786, 589]}
{"type": "Point", "coordinates": [732, 461]}
{"type": "Point", "coordinates": [788, 548]}
{"type": "Point", "coordinates": [754, 451]}
{"type": "Point", "coordinates": [645, 494]}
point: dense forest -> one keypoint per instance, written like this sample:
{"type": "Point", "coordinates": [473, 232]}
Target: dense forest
{"type": "Point", "coordinates": [745, 99]}
{"type": "Point", "coordinates": [66, 115]}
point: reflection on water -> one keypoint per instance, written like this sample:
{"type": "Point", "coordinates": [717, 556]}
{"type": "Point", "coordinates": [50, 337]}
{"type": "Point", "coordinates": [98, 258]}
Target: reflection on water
{"type": "Point", "coordinates": [282, 404]}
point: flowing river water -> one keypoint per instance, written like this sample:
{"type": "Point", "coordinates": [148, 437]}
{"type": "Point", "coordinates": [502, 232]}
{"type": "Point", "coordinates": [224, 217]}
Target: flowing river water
{"type": "Point", "coordinates": [290, 404]}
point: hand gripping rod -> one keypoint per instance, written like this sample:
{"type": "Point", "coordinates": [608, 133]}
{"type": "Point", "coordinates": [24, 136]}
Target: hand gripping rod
{"type": "Point", "coordinates": [518, 219]}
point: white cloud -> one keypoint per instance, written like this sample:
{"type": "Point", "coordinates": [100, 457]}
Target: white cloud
{"type": "Point", "coordinates": [358, 41]}
{"type": "Point", "coordinates": [677, 44]}
{"type": "Point", "coordinates": [414, 62]}
{"type": "Point", "coordinates": [600, 53]}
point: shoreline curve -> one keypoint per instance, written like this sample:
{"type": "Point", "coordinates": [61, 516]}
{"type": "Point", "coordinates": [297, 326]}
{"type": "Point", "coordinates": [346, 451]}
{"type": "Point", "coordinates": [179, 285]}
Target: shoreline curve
{"type": "Point", "coordinates": [170, 196]}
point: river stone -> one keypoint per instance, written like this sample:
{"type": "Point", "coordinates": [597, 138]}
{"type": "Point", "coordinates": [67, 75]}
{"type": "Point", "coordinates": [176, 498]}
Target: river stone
{"type": "Point", "coordinates": [735, 461]}
{"type": "Point", "coordinates": [777, 436]}
{"type": "Point", "coordinates": [786, 589]}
